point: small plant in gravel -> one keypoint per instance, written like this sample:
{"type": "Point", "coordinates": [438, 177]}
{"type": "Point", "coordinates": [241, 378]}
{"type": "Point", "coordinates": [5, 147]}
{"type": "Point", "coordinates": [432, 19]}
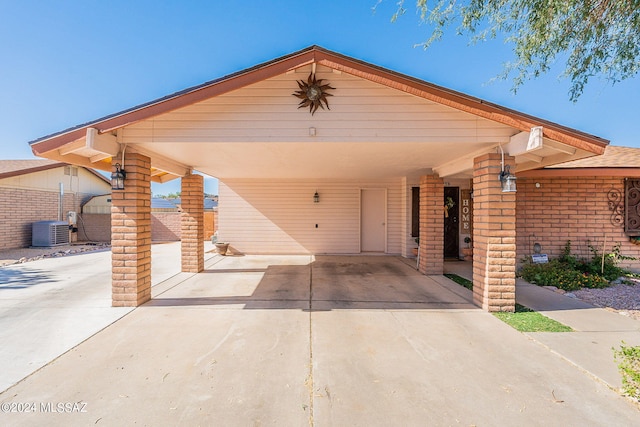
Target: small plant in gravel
{"type": "Point", "coordinates": [628, 359]}
{"type": "Point", "coordinates": [570, 273]}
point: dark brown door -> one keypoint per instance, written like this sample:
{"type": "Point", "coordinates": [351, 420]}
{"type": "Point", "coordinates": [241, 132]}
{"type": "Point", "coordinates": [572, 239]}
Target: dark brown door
{"type": "Point", "coordinates": [451, 222]}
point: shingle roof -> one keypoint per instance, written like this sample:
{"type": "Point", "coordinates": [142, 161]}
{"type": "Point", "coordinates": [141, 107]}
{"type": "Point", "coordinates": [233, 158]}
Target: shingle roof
{"type": "Point", "coordinates": [9, 168]}
{"type": "Point", "coordinates": [613, 157]}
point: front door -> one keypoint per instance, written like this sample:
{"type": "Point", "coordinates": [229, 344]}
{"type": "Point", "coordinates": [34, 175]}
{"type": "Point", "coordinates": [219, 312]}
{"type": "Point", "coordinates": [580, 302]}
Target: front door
{"type": "Point", "coordinates": [451, 226]}
{"type": "Point", "coordinates": [373, 207]}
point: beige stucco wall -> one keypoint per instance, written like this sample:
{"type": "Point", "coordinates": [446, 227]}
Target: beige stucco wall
{"type": "Point", "coordinates": [279, 216]}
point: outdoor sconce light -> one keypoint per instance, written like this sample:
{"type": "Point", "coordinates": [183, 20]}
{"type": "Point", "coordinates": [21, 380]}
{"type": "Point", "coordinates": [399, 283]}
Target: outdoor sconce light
{"type": "Point", "coordinates": [117, 178]}
{"type": "Point", "coordinates": [316, 197]}
{"type": "Point", "coordinates": [507, 180]}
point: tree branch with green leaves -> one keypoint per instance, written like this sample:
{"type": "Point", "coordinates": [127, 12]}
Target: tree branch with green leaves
{"type": "Point", "coordinates": [595, 38]}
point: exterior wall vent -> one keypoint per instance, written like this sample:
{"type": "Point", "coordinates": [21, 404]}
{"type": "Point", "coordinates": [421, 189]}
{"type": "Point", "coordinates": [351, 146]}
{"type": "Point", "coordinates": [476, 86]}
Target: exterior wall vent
{"type": "Point", "coordinates": [49, 233]}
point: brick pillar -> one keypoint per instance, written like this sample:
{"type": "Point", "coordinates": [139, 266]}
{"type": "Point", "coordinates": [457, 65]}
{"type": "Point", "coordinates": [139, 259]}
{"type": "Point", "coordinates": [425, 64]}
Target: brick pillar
{"type": "Point", "coordinates": [192, 223]}
{"type": "Point", "coordinates": [494, 236]}
{"type": "Point", "coordinates": [131, 234]}
{"type": "Point", "coordinates": [431, 225]}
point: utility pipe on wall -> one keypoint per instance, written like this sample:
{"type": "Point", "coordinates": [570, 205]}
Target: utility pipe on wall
{"type": "Point", "coordinates": [60, 202]}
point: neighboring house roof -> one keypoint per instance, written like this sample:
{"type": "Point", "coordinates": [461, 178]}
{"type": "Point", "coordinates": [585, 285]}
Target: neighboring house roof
{"type": "Point", "coordinates": [210, 204]}
{"type": "Point", "coordinates": [160, 203]}
{"type": "Point", "coordinates": [11, 168]}
{"type": "Point", "coordinates": [613, 157]}
{"type": "Point", "coordinates": [616, 161]}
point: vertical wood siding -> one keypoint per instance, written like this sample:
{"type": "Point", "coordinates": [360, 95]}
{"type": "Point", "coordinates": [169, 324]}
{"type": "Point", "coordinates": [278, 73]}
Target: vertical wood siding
{"type": "Point", "coordinates": [280, 216]}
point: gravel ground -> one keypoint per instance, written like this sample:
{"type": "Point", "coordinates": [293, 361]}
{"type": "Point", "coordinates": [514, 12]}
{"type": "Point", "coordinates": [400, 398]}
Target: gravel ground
{"type": "Point", "coordinates": [22, 255]}
{"type": "Point", "coordinates": [621, 298]}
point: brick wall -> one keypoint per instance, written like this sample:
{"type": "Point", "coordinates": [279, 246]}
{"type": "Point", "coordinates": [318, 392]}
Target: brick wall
{"type": "Point", "coordinates": [20, 208]}
{"type": "Point", "coordinates": [569, 208]}
{"type": "Point", "coordinates": [192, 222]}
{"type": "Point", "coordinates": [431, 225]}
{"type": "Point", "coordinates": [165, 226]}
{"type": "Point", "coordinates": [494, 236]}
{"type": "Point", "coordinates": [94, 228]}
{"type": "Point", "coordinates": [131, 235]}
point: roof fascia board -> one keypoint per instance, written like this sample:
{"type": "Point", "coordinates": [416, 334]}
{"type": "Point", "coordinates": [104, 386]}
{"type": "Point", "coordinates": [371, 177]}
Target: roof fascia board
{"type": "Point", "coordinates": [460, 101]}
{"type": "Point", "coordinates": [579, 172]}
{"type": "Point", "coordinates": [32, 170]}
{"type": "Point", "coordinates": [338, 62]}
{"type": "Point", "coordinates": [175, 101]}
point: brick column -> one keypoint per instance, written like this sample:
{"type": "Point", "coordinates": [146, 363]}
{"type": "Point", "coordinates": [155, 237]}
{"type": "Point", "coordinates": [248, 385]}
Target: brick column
{"type": "Point", "coordinates": [131, 234]}
{"type": "Point", "coordinates": [192, 223]}
{"type": "Point", "coordinates": [494, 236]}
{"type": "Point", "coordinates": [431, 225]}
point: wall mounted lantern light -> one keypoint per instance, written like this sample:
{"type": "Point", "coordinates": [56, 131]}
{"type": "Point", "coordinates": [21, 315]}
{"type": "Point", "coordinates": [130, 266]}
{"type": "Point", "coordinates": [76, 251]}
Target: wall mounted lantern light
{"type": "Point", "coordinates": [117, 178]}
{"type": "Point", "coordinates": [508, 180]}
{"type": "Point", "coordinates": [316, 197]}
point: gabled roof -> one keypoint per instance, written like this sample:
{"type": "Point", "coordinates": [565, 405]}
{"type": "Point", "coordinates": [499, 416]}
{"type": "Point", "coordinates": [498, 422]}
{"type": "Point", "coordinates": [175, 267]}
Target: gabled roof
{"type": "Point", "coordinates": [336, 61]}
{"type": "Point", "coordinates": [613, 157]}
{"type": "Point", "coordinates": [616, 161]}
{"type": "Point", "coordinates": [11, 168]}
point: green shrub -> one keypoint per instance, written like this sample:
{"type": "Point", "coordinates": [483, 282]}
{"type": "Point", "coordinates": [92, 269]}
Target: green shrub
{"type": "Point", "coordinates": [571, 273]}
{"type": "Point", "coordinates": [628, 359]}
{"type": "Point", "coordinates": [606, 266]}
{"type": "Point", "coordinates": [555, 273]}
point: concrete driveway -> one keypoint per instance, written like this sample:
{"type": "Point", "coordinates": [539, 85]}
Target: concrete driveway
{"type": "Point", "coordinates": [51, 305]}
{"type": "Point", "coordinates": [298, 341]}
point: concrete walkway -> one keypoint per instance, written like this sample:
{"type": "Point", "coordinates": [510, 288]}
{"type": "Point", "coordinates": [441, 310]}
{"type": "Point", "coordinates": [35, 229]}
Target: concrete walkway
{"type": "Point", "coordinates": [359, 341]}
{"type": "Point", "coordinates": [596, 330]}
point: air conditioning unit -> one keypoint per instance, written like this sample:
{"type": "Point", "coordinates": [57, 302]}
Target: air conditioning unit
{"type": "Point", "coordinates": [49, 233]}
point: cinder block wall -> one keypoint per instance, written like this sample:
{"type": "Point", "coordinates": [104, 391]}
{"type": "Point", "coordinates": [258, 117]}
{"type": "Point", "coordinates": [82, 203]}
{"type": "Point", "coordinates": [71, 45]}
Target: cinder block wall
{"type": "Point", "coordinates": [94, 227]}
{"type": "Point", "coordinates": [165, 226]}
{"type": "Point", "coordinates": [20, 208]}
{"type": "Point", "coordinates": [569, 208]}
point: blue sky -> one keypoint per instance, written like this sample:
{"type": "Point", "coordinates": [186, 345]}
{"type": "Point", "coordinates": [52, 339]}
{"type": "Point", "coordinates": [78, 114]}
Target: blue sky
{"type": "Point", "coordinates": [67, 62]}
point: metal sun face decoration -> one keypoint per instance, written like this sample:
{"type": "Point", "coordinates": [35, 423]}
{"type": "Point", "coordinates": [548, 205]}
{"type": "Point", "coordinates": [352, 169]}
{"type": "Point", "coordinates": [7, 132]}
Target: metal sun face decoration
{"type": "Point", "coordinates": [313, 94]}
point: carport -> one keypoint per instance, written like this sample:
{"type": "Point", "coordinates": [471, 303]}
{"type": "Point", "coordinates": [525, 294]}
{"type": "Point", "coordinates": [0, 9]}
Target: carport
{"type": "Point", "coordinates": [279, 165]}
